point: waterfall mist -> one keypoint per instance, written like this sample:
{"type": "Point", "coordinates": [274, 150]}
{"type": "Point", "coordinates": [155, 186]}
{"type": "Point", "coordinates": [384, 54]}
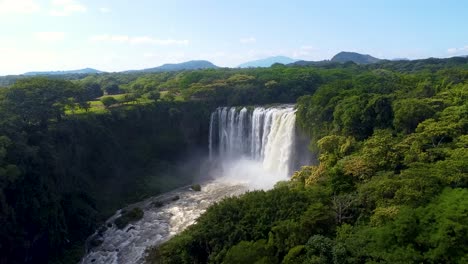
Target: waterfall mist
{"type": "Point", "coordinates": [253, 146]}
{"type": "Point", "coordinates": [250, 148]}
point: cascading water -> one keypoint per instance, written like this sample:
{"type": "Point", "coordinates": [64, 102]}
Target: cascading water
{"type": "Point", "coordinates": [253, 148]}
{"type": "Point", "coordinates": [265, 135]}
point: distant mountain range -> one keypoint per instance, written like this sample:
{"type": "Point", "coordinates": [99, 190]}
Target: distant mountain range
{"type": "Point", "coordinates": [267, 62]}
{"type": "Point", "coordinates": [81, 71]}
{"type": "Point", "coordinates": [189, 65]}
{"type": "Point", "coordinates": [339, 58]}
{"type": "Point", "coordinates": [355, 57]}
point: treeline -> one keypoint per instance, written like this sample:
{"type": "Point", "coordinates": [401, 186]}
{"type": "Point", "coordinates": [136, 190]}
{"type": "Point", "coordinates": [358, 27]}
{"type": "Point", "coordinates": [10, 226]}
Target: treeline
{"type": "Point", "coordinates": [277, 84]}
{"type": "Point", "coordinates": [390, 185]}
{"type": "Point", "coordinates": [61, 174]}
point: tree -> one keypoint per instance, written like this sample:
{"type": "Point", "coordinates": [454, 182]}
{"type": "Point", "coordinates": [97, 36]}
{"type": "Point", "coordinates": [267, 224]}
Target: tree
{"type": "Point", "coordinates": [37, 101]}
{"type": "Point", "coordinates": [111, 88]}
{"type": "Point", "coordinates": [109, 101]}
{"type": "Point", "coordinates": [348, 117]}
{"type": "Point", "coordinates": [250, 252]}
{"type": "Point", "coordinates": [154, 95]}
{"type": "Point", "coordinates": [92, 89]}
{"type": "Point", "coordinates": [409, 113]}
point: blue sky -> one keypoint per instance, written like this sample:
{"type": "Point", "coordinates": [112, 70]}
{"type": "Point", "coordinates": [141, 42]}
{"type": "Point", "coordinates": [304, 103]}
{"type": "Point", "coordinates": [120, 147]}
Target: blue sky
{"type": "Point", "coordinates": [120, 35]}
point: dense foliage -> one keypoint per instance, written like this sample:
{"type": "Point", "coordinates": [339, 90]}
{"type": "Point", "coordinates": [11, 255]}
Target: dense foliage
{"type": "Point", "coordinates": [61, 174]}
{"type": "Point", "coordinates": [390, 185]}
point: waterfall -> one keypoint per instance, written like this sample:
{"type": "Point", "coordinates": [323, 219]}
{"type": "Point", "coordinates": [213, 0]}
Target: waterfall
{"type": "Point", "coordinates": [254, 148]}
{"type": "Point", "coordinates": [265, 135]}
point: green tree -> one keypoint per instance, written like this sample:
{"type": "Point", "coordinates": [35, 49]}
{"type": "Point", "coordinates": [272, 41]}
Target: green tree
{"type": "Point", "coordinates": [109, 101]}
{"type": "Point", "coordinates": [409, 113]}
{"type": "Point", "coordinates": [37, 101]}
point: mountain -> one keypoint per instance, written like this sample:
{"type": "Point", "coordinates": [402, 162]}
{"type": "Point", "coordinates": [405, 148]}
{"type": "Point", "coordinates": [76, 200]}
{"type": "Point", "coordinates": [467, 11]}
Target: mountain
{"type": "Point", "coordinates": [188, 65]}
{"type": "Point", "coordinates": [358, 58]}
{"type": "Point", "coordinates": [81, 71]}
{"type": "Point", "coordinates": [312, 63]}
{"type": "Point", "coordinates": [400, 59]}
{"type": "Point", "coordinates": [267, 62]}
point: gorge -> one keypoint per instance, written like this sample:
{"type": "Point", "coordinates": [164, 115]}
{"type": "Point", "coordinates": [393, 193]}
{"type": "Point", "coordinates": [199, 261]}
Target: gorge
{"type": "Point", "coordinates": [249, 148]}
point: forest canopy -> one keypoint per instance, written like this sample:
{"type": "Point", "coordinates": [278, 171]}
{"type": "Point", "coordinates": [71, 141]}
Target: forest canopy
{"type": "Point", "coordinates": [389, 184]}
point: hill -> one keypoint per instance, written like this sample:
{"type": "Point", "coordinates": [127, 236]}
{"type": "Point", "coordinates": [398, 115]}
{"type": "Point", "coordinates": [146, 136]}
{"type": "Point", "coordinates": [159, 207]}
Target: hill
{"type": "Point", "coordinates": [313, 63]}
{"type": "Point", "coordinates": [358, 58]}
{"type": "Point", "coordinates": [267, 62]}
{"type": "Point", "coordinates": [189, 65]}
{"type": "Point", "coordinates": [81, 71]}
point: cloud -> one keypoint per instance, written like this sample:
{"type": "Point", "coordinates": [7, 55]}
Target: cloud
{"type": "Point", "coordinates": [109, 38]}
{"type": "Point", "coordinates": [170, 57]}
{"type": "Point", "coordinates": [149, 40]}
{"type": "Point", "coordinates": [26, 60]}
{"type": "Point", "coordinates": [66, 7]}
{"type": "Point", "coordinates": [19, 7]}
{"type": "Point", "coordinates": [249, 40]}
{"type": "Point", "coordinates": [458, 50]}
{"type": "Point", "coordinates": [137, 40]}
{"type": "Point", "coordinates": [308, 47]}
{"type": "Point", "coordinates": [104, 10]}
{"type": "Point", "coordinates": [49, 36]}
{"type": "Point", "coordinates": [304, 51]}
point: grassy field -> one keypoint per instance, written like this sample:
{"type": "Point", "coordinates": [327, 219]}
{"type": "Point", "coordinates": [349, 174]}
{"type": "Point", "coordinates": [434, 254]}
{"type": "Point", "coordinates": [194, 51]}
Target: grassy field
{"type": "Point", "coordinates": [96, 106]}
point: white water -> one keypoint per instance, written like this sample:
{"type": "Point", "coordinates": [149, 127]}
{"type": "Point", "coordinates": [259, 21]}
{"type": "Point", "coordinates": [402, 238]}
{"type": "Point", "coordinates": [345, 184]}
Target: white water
{"type": "Point", "coordinates": [158, 224]}
{"type": "Point", "coordinates": [265, 135]}
{"type": "Point", "coordinates": [253, 149]}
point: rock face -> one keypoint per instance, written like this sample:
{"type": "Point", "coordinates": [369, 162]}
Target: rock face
{"type": "Point", "coordinates": [357, 58]}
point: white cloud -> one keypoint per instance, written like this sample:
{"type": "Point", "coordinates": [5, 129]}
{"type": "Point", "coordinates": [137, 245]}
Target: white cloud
{"type": "Point", "coordinates": [249, 40]}
{"type": "Point", "coordinates": [149, 40]}
{"type": "Point", "coordinates": [458, 50]}
{"type": "Point", "coordinates": [104, 10]}
{"type": "Point", "coordinates": [66, 7]}
{"type": "Point", "coordinates": [171, 57]}
{"type": "Point", "coordinates": [137, 40]}
{"type": "Point", "coordinates": [19, 7]}
{"type": "Point", "coordinates": [20, 61]}
{"type": "Point", "coordinates": [304, 51]}
{"type": "Point", "coordinates": [308, 47]}
{"type": "Point", "coordinates": [50, 36]}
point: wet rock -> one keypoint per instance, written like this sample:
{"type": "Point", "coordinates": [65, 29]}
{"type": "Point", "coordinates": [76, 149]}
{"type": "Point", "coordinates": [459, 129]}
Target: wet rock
{"type": "Point", "coordinates": [196, 187]}
{"type": "Point", "coordinates": [175, 198]}
{"type": "Point", "coordinates": [102, 229]}
{"type": "Point", "coordinates": [157, 204]}
{"type": "Point", "coordinates": [95, 242]}
{"type": "Point", "coordinates": [127, 217]}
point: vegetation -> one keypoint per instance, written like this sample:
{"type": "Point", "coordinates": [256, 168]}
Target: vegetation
{"type": "Point", "coordinates": [64, 172]}
{"type": "Point", "coordinates": [389, 185]}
